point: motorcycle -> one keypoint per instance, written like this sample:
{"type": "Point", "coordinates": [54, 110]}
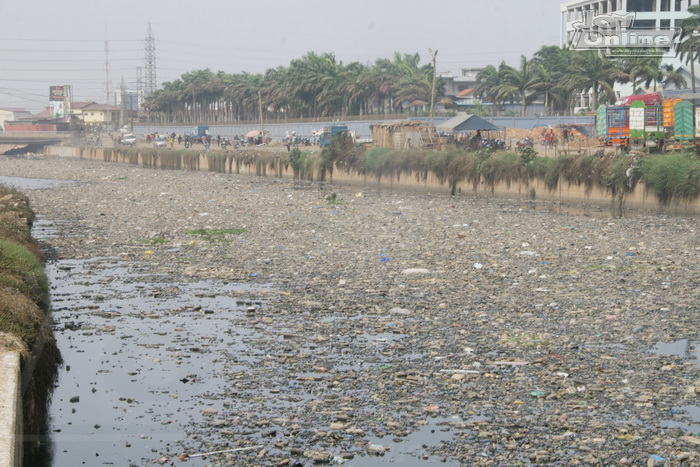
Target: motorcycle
{"type": "Point", "coordinates": [524, 143]}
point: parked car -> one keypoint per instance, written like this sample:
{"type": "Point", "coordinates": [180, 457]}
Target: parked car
{"type": "Point", "coordinates": [160, 143]}
{"type": "Point", "coordinates": [129, 139]}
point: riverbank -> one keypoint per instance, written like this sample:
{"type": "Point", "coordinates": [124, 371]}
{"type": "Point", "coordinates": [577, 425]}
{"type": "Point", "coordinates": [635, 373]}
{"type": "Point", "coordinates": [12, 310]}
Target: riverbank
{"type": "Point", "coordinates": [516, 334]}
{"type": "Point", "coordinates": [28, 351]}
{"type": "Point", "coordinates": [661, 183]}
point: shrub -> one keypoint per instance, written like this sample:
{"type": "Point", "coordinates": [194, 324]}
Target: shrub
{"type": "Point", "coordinates": [503, 167]}
{"type": "Point", "coordinates": [22, 270]}
{"type": "Point", "coordinates": [672, 177]}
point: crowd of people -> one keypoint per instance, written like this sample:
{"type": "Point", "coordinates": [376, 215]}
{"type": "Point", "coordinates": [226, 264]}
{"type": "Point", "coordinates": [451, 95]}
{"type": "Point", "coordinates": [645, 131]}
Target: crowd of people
{"type": "Point", "coordinates": [475, 141]}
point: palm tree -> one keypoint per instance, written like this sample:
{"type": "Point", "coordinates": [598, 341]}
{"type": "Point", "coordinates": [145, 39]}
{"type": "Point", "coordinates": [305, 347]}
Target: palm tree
{"type": "Point", "coordinates": [669, 74]}
{"type": "Point", "coordinates": [553, 65]}
{"type": "Point", "coordinates": [690, 41]}
{"type": "Point", "coordinates": [520, 82]}
{"type": "Point", "coordinates": [641, 68]}
{"type": "Point", "coordinates": [590, 71]}
{"type": "Point", "coordinates": [545, 83]}
{"type": "Point", "coordinates": [487, 83]}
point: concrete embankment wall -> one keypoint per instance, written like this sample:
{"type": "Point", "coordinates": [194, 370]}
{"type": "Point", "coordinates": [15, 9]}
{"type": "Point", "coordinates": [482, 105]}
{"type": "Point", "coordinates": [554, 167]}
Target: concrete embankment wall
{"type": "Point", "coordinates": [29, 356]}
{"type": "Point", "coordinates": [10, 410]}
{"type": "Point", "coordinates": [640, 198]}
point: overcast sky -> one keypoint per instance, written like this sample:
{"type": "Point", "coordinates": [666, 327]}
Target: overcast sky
{"type": "Point", "coordinates": [48, 42]}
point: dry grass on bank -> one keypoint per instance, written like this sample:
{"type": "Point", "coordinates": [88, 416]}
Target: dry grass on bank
{"type": "Point", "coordinates": [24, 305]}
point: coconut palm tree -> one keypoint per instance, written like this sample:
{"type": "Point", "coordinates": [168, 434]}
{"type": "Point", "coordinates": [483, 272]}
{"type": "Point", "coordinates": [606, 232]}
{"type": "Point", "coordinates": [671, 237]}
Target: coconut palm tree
{"type": "Point", "coordinates": [690, 41]}
{"type": "Point", "coordinates": [519, 82]}
{"type": "Point", "coordinates": [487, 83]}
{"type": "Point", "coordinates": [591, 71]}
{"type": "Point", "coordinates": [641, 68]}
{"type": "Point", "coordinates": [669, 74]}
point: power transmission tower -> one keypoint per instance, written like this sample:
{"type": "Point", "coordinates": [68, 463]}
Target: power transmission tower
{"type": "Point", "coordinates": [151, 83]}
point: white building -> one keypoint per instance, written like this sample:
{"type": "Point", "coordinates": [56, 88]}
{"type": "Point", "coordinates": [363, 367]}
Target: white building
{"type": "Point", "coordinates": [658, 14]}
{"type": "Point", "coordinates": [648, 14]}
{"type": "Point", "coordinates": [13, 114]}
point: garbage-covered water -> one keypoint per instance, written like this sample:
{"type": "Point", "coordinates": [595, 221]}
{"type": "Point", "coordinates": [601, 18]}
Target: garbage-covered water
{"type": "Point", "coordinates": [20, 183]}
{"type": "Point", "coordinates": [463, 330]}
{"type": "Point", "coordinates": [144, 359]}
{"type": "Point", "coordinates": [689, 350]}
{"type": "Point", "coordinates": [147, 360]}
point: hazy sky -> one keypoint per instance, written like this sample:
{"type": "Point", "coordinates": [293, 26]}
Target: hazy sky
{"type": "Point", "coordinates": [48, 42]}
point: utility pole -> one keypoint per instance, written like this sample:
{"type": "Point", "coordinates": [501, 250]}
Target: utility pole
{"type": "Point", "coordinates": [432, 92]}
{"type": "Point", "coordinates": [122, 107]}
{"type": "Point", "coordinates": [262, 125]}
{"type": "Point", "coordinates": [107, 72]}
{"type": "Point", "coordinates": [139, 89]}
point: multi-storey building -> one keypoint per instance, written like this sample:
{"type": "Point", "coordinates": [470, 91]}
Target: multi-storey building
{"type": "Point", "coordinates": [649, 14]}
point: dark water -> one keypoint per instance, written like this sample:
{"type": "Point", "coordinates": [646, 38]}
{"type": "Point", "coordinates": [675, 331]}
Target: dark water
{"type": "Point", "coordinates": [145, 356]}
{"type": "Point", "coordinates": [689, 350]}
{"type": "Point", "coordinates": [138, 365]}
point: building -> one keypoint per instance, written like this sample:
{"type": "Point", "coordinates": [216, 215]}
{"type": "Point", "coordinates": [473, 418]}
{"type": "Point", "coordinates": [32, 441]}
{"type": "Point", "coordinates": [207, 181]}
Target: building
{"type": "Point", "coordinates": [649, 14]}
{"type": "Point", "coordinates": [456, 84]}
{"type": "Point", "coordinates": [100, 116]}
{"type": "Point", "coordinates": [460, 89]}
{"type": "Point", "coordinates": [9, 114]}
{"type": "Point", "coordinates": [132, 99]}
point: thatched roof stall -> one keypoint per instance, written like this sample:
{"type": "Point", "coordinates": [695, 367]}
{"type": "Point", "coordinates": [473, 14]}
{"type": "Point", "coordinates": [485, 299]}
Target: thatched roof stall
{"type": "Point", "coordinates": [403, 135]}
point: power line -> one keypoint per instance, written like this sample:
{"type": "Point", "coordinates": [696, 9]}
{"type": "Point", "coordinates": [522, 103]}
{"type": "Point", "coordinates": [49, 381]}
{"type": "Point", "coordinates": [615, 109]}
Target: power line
{"type": "Point", "coordinates": [52, 40]}
{"type": "Point", "coordinates": [53, 51]}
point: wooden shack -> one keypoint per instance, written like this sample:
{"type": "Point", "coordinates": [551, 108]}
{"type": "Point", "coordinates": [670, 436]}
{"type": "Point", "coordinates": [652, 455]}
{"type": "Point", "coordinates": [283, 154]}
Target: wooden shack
{"type": "Point", "coordinates": [404, 135]}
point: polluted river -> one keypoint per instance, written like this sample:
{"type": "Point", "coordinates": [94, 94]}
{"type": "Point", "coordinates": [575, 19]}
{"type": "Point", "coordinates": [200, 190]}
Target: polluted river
{"type": "Point", "coordinates": [217, 319]}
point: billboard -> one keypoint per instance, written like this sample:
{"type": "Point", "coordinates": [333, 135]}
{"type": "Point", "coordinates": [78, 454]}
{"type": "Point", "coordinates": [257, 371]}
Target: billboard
{"type": "Point", "coordinates": [60, 101]}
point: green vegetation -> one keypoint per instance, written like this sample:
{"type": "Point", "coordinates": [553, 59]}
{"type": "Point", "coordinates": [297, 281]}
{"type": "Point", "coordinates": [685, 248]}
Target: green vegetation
{"type": "Point", "coordinates": [21, 270]}
{"type": "Point", "coordinates": [333, 199]}
{"type": "Point", "coordinates": [24, 307]}
{"type": "Point", "coordinates": [313, 86]}
{"type": "Point", "coordinates": [215, 235]}
{"type": "Point", "coordinates": [673, 178]}
{"type": "Point", "coordinates": [319, 86]}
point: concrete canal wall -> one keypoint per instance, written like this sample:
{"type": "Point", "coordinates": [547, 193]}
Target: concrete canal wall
{"type": "Point", "coordinates": [640, 198]}
{"type": "Point", "coordinates": [10, 410]}
{"type": "Point", "coordinates": [29, 357]}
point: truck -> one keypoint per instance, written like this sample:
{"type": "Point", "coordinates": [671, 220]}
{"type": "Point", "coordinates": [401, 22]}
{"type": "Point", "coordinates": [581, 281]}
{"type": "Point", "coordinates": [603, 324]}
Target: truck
{"type": "Point", "coordinates": [649, 121]}
{"type": "Point", "coordinates": [200, 131]}
{"type": "Point", "coordinates": [329, 132]}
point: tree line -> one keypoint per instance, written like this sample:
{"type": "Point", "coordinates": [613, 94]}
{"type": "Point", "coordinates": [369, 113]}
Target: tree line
{"type": "Point", "coordinates": [319, 86]}
{"type": "Point", "coordinates": [314, 86]}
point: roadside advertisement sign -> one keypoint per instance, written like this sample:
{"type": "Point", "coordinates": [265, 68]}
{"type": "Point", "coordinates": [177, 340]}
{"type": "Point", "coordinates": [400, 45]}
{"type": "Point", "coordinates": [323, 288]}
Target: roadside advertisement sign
{"type": "Point", "coordinates": [60, 101]}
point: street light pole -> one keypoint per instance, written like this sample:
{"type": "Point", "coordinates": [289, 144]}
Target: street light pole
{"type": "Point", "coordinates": [262, 125]}
{"type": "Point", "coordinates": [432, 91]}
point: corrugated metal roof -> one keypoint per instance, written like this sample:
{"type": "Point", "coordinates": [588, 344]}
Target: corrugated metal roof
{"type": "Point", "coordinates": [465, 92]}
{"type": "Point", "coordinates": [95, 106]}
{"type": "Point", "coordinates": [80, 105]}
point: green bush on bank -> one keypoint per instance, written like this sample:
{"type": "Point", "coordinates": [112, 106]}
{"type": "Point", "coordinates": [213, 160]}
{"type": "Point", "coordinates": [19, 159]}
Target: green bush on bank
{"type": "Point", "coordinates": [24, 306]}
{"type": "Point", "coordinates": [673, 178]}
